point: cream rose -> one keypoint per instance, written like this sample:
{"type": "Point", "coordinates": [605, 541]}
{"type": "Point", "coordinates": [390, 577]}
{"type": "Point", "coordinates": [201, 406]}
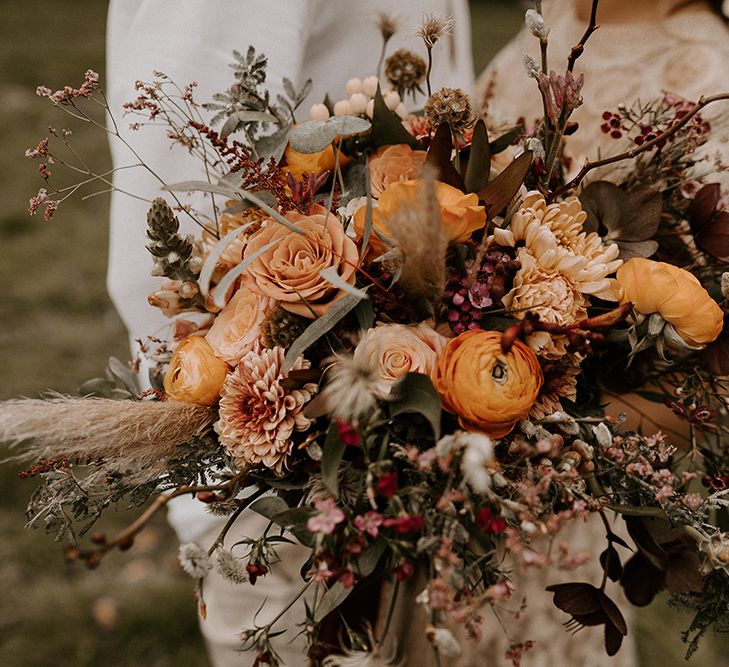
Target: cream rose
{"type": "Point", "coordinates": [289, 271]}
{"type": "Point", "coordinates": [392, 350]}
{"type": "Point", "coordinates": [238, 325]}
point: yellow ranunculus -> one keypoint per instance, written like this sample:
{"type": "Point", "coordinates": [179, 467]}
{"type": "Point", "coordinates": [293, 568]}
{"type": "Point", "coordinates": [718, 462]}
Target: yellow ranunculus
{"type": "Point", "coordinates": [489, 391]}
{"type": "Point", "coordinates": [195, 374]}
{"type": "Point", "coordinates": [460, 213]}
{"type": "Point", "coordinates": [675, 294]}
{"type": "Point", "coordinates": [312, 163]}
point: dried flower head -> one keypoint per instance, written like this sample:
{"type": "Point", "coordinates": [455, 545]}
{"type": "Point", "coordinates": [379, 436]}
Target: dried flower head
{"type": "Point", "coordinates": [349, 392]}
{"type": "Point", "coordinates": [405, 70]}
{"type": "Point", "coordinates": [387, 25]}
{"type": "Point", "coordinates": [434, 27]}
{"type": "Point", "coordinates": [535, 24]}
{"type": "Point", "coordinates": [194, 560]}
{"type": "Point", "coordinates": [450, 106]}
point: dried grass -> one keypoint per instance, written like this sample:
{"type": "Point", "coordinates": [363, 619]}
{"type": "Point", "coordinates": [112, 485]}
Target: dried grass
{"type": "Point", "coordinates": [127, 435]}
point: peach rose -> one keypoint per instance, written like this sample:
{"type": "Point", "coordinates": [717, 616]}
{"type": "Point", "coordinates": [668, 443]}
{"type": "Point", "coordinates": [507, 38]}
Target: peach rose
{"type": "Point", "coordinates": [460, 213]}
{"type": "Point", "coordinates": [394, 163]}
{"type": "Point", "coordinates": [238, 325]}
{"type": "Point", "coordinates": [392, 350]}
{"type": "Point", "coordinates": [675, 294]}
{"type": "Point", "coordinates": [195, 374]}
{"type": "Point", "coordinates": [489, 391]}
{"type": "Point", "coordinates": [289, 271]}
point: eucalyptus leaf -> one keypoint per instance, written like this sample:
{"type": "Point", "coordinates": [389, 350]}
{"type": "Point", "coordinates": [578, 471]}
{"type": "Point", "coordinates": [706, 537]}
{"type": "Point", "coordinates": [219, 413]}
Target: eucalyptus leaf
{"type": "Point", "coordinates": [221, 289]}
{"type": "Point", "coordinates": [331, 275]}
{"type": "Point", "coordinates": [415, 393]}
{"type": "Point", "coordinates": [124, 374]}
{"type": "Point", "coordinates": [208, 267]}
{"type": "Point", "coordinates": [367, 232]}
{"type": "Point", "coordinates": [203, 186]}
{"type": "Point", "coordinates": [367, 562]}
{"type": "Point", "coordinates": [335, 595]}
{"type": "Point", "coordinates": [331, 458]}
{"type": "Point", "coordinates": [313, 136]}
{"type": "Point", "coordinates": [273, 145]}
{"type": "Point", "coordinates": [319, 327]}
{"type": "Point", "coordinates": [293, 516]}
{"type": "Point", "coordinates": [269, 506]}
{"type": "Point", "coordinates": [241, 117]}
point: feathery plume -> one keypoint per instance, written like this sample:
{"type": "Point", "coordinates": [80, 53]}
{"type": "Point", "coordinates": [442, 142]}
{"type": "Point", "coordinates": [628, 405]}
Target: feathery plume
{"type": "Point", "coordinates": [434, 27]}
{"type": "Point", "coordinates": [136, 435]}
{"type": "Point", "coordinates": [422, 243]}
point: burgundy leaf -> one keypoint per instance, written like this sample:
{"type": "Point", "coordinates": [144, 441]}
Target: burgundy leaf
{"type": "Point", "coordinates": [703, 206]}
{"type": "Point", "coordinates": [613, 639]}
{"type": "Point", "coordinates": [716, 354]}
{"type": "Point", "coordinates": [610, 561]}
{"type": "Point", "coordinates": [683, 572]}
{"type": "Point", "coordinates": [641, 580]}
{"type": "Point", "coordinates": [713, 237]}
{"type": "Point", "coordinates": [576, 599]}
{"type": "Point", "coordinates": [613, 613]}
{"type": "Point", "coordinates": [440, 155]}
{"type": "Point", "coordinates": [499, 192]}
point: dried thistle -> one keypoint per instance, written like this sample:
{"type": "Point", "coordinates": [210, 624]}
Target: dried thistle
{"type": "Point", "coordinates": [449, 106]}
{"type": "Point", "coordinates": [422, 244]}
{"type": "Point", "coordinates": [434, 27]}
{"type": "Point", "coordinates": [387, 25]}
{"type": "Point", "coordinates": [127, 435]}
{"type": "Point", "coordinates": [405, 70]}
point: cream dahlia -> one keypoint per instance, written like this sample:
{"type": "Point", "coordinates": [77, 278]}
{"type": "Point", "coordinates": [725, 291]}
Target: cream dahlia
{"type": "Point", "coordinates": [257, 415]}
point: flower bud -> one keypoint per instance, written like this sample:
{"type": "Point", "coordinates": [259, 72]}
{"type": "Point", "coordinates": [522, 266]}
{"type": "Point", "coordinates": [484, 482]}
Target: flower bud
{"type": "Point", "coordinates": [318, 112]}
{"type": "Point", "coordinates": [535, 24]}
{"type": "Point", "coordinates": [342, 108]}
{"type": "Point", "coordinates": [358, 103]}
{"type": "Point", "coordinates": [353, 86]}
{"type": "Point", "coordinates": [369, 85]}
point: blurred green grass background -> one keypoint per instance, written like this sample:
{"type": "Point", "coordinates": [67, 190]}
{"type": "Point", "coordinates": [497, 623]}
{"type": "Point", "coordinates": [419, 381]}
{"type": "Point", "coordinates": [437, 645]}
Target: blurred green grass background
{"type": "Point", "coordinates": [57, 328]}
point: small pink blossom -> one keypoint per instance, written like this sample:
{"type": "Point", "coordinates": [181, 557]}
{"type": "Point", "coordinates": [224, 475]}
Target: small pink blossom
{"type": "Point", "coordinates": [329, 516]}
{"type": "Point", "coordinates": [43, 91]}
{"type": "Point", "coordinates": [692, 501]}
{"type": "Point", "coordinates": [369, 523]}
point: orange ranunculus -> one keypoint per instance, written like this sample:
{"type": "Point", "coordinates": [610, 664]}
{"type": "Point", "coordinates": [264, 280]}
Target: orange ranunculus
{"type": "Point", "coordinates": [195, 374]}
{"type": "Point", "coordinates": [290, 270]}
{"type": "Point", "coordinates": [460, 213]}
{"type": "Point", "coordinates": [675, 294]}
{"type": "Point", "coordinates": [489, 391]}
{"type": "Point", "coordinates": [392, 164]}
{"type": "Point", "coordinates": [311, 163]}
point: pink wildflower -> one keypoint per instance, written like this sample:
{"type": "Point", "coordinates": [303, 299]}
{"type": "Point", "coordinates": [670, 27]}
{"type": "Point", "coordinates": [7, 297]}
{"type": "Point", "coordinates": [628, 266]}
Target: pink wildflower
{"type": "Point", "coordinates": [369, 523]}
{"type": "Point", "coordinates": [329, 516]}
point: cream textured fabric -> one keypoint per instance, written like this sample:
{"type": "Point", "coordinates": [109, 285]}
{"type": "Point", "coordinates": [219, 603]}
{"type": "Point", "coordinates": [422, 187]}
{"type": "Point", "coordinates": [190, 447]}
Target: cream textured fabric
{"type": "Point", "coordinates": [641, 49]}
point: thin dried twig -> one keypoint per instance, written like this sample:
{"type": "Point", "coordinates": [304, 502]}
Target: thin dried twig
{"type": "Point", "coordinates": [579, 48]}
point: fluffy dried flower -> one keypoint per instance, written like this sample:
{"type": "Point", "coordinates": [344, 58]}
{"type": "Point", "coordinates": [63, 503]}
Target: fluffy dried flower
{"type": "Point", "coordinates": [258, 416]}
{"type": "Point", "coordinates": [405, 70]}
{"type": "Point", "coordinates": [348, 393]}
{"type": "Point", "coordinates": [444, 641]}
{"type": "Point", "coordinates": [535, 24]}
{"type": "Point", "coordinates": [434, 27]}
{"type": "Point", "coordinates": [230, 568]}
{"type": "Point", "coordinates": [725, 284]}
{"type": "Point", "coordinates": [194, 560]}
{"type": "Point", "coordinates": [387, 25]}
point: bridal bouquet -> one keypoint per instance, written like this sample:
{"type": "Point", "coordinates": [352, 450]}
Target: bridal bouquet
{"type": "Point", "coordinates": [394, 334]}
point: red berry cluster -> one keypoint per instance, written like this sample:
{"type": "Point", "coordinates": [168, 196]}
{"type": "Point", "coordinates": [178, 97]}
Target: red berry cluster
{"type": "Point", "coordinates": [613, 124]}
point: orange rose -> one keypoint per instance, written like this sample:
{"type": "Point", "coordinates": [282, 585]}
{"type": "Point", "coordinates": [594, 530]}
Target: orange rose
{"type": "Point", "coordinates": [489, 391]}
{"type": "Point", "coordinates": [675, 294]}
{"type": "Point", "coordinates": [195, 374]}
{"type": "Point", "coordinates": [390, 351]}
{"type": "Point", "coordinates": [392, 164]}
{"type": "Point", "coordinates": [289, 271]}
{"type": "Point", "coordinates": [460, 213]}
{"type": "Point", "coordinates": [238, 325]}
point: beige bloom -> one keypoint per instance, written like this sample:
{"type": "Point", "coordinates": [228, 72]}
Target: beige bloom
{"type": "Point", "coordinates": [290, 270]}
{"type": "Point", "coordinates": [545, 287]}
{"type": "Point", "coordinates": [257, 415]}
{"type": "Point", "coordinates": [393, 350]}
{"type": "Point", "coordinates": [556, 229]}
{"type": "Point", "coordinates": [394, 163]}
{"type": "Point", "coordinates": [238, 325]}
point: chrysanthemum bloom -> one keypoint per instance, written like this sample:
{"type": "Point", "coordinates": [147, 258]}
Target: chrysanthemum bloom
{"type": "Point", "coordinates": [489, 391]}
{"type": "Point", "coordinates": [393, 350]}
{"type": "Point", "coordinates": [257, 415]}
{"type": "Point", "coordinates": [675, 294]}
{"type": "Point", "coordinates": [290, 270]}
{"type": "Point", "coordinates": [238, 325]}
{"type": "Point", "coordinates": [561, 266]}
{"type": "Point", "coordinates": [195, 374]}
{"type": "Point", "coordinates": [460, 213]}
{"type": "Point", "coordinates": [394, 163]}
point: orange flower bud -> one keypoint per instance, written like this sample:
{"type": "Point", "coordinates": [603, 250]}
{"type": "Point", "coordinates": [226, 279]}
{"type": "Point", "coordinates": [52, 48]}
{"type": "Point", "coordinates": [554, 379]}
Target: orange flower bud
{"type": "Point", "coordinates": [675, 294]}
{"type": "Point", "coordinates": [489, 391]}
{"type": "Point", "coordinates": [195, 374]}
